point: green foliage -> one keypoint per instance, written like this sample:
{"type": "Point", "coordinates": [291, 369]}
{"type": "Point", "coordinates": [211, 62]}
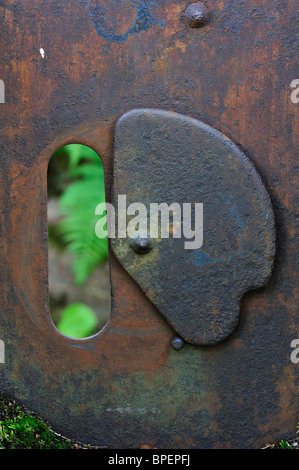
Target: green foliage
{"type": "Point", "coordinates": [78, 321]}
{"type": "Point", "coordinates": [285, 445]}
{"type": "Point", "coordinates": [20, 430]}
{"type": "Point", "coordinates": [77, 205]}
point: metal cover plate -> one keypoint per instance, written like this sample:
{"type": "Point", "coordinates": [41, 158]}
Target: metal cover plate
{"type": "Point", "coordinates": [161, 156]}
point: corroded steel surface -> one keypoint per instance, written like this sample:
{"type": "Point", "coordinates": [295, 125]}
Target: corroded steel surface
{"type": "Point", "coordinates": [163, 157]}
{"type": "Point", "coordinates": [127, 386]}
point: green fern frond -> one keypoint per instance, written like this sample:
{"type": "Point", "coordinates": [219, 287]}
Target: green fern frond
{"type": "Point", "coordinates": [77, 206]}
{"type": "Point", "coordinates": [78, 152]}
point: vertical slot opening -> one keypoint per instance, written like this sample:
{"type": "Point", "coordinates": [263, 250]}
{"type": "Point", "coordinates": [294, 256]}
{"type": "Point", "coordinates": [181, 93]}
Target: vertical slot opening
{"type": "Point", "coordinates": [79, 280]}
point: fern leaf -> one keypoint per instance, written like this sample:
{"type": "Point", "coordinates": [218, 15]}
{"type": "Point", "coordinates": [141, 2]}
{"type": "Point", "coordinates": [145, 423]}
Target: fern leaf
{"type": "Point", "coordinates": [77, 206]}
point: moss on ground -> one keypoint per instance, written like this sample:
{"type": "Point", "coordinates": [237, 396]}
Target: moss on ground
{"type": "Point", "coordinates": [20, 429]}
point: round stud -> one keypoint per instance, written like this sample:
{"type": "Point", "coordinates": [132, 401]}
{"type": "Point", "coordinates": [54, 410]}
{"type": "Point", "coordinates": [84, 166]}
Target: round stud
{"type": "Point", "coordinates": [141, 245]}
{"type": "Point", "coordinates": [177, 343]}
{"type": "Point", "coordinates": [197, 15]}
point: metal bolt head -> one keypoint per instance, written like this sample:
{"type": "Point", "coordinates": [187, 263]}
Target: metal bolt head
{"type": "Point", "coordinates": [142, 245]}
{"type": "Point", "coordinates": [177, 343]}
{"type": "Point", "coordinates": [197, 15]}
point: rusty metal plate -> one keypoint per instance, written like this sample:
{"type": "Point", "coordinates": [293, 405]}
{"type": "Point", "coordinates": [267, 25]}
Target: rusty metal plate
{"type": "Point", "coordinates": [163, 157]}
{"type": "Point", "coordinates": [127, 386]}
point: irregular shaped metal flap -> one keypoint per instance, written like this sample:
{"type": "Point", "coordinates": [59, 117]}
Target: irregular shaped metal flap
{"type": "Point", "coordinates": [166, 157]}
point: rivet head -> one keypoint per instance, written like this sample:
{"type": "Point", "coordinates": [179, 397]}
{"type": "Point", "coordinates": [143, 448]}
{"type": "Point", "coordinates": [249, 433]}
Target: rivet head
{"type": "Point", "coordinates": [197, 15]}
{"type": "Point", "coordinates": [177, 343]}
{"type": "Point", "coordinates": [142, 245]}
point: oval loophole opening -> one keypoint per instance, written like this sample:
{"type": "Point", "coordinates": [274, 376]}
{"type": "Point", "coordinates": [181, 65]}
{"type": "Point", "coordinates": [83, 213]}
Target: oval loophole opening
{"type": "Point", "coordinates": [79, 279]}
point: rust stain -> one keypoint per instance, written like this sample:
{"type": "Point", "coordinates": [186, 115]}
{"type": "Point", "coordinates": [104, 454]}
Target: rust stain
{"type": "Point", "coordinates": [219, 74]}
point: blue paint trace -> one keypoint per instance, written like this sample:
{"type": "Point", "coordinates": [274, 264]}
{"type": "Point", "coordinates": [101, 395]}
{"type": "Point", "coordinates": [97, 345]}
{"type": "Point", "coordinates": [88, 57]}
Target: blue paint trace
{"type": "Point", "coordinates": [144, 21]}
{"type": "Point", "coordinates": [200, 257]}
